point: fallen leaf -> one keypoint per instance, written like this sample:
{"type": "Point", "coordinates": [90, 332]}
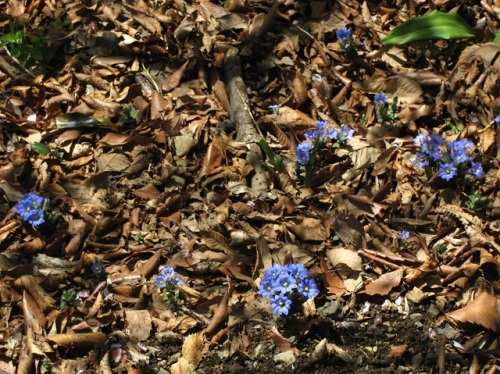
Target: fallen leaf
{"type": "Point", "coordinates": [482, 311]}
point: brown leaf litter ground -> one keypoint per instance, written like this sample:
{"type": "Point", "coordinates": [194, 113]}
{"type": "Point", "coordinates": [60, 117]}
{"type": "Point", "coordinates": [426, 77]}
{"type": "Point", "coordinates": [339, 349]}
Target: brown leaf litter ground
{"type": "Point", "coordinates": [140, 123]}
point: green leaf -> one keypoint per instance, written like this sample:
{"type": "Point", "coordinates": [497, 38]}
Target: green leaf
{"type": "Point", "coordinates": [497, 37]}
{"type": "Point", "coordinates": [436, 25]}
{"type": "Point", "coordinates": [273, 157]}
{"type": "Point", "coordinates": [40, 148]}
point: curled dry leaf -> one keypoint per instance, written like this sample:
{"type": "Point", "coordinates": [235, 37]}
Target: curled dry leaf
{"type": "Point", "coordinates": [483, 311]}
{"type": "Point", "coordinates": [385, 283]}
{"type": "Point", "coordinates": [192, 348]}
{"type": "Point", "coordinates": [308, 229]}
{"type": "Point", "coordinates": [78, 340]}
{"type": "Point", "coordinates": [138, 324]}
{"type": "Point", "coordinates": [342, 257]}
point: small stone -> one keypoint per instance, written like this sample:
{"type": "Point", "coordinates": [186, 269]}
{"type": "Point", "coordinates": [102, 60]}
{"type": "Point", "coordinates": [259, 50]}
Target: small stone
{"type": "Point", "coordinates": [433, 311]}
{"type": "Point", "coordinates": [416, 317]}
{"type": "Point", "coordinates": [287, 357]}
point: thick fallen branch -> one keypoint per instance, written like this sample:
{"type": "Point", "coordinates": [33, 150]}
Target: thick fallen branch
{"type": "Point", "coordinates": [243, 120]}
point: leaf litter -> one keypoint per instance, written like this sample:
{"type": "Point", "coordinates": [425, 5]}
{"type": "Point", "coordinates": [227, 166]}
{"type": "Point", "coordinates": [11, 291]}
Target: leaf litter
{"type": "Point", "coordinates": [149, 117]}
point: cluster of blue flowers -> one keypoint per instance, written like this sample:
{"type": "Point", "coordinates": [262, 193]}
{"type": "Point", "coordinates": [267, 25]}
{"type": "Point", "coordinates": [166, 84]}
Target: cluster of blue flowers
{"type": "Point", "coordinates": [31, 209]}
{"type": "Point", "coordinates": [449, 157]}
{"type": "Point", "coordinates": [167, 277]}
{"type": "Point", "coordinates": [321, 134]}
{"type": "Point", "coordinates": [280, 283]}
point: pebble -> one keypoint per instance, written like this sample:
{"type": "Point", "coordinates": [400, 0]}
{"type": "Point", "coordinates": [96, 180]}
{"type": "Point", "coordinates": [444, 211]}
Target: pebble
{"type": "Point", "coordinates": [287, 357]}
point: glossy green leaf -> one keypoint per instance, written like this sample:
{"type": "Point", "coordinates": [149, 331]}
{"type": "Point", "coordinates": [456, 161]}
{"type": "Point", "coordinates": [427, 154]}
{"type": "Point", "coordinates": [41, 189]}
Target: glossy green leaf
{"type": "Point", "coordinates": [497, 37]}
{"type": "Point", "coordinates": [436, 25]}
{"type": "Point", "coordinates": [273, 157]}
{"type": "Point", "coordinates": [40, 148]}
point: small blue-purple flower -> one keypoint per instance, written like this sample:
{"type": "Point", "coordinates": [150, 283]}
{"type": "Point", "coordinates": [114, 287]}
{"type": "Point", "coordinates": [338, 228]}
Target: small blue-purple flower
{"type": "Point", "coordinates": [311, 135]}
{"type": "Point", "coordinates": [420, 139]}
{"type": "Point", "coordinates": [343, 34]}
{"type": "Point", "coordinates": [380, 99]}
{"type": "Point", "coordinates": [275, 108]}
{"type": "Point", "coordinates": [404, 235]}
{"type": "Point", "coordinates": [30, 208]}
{"type": "Point", "coordinates": [421, 160]}
{"type": "Point", "coordinates": [476, 169]}
{"type": "Point", "coordinates": [447, 171]}
{"type": "Point", "coordinates": [497, 119]}
{"type": "Point", "coordinates": [280, 304]}
{"type": "Point", "coordinates": [285, 283]}
{"type": "Point", "coordinates": [167, 276]}
{"type": "Point", "coordinates": [321, 125]}
{"type": "Point", "coordinates": [345, 133]}
{"type": "Point", "coordinates": [303, 150]}
{"type": "Point", "coordinates": [298, 271]}
{"type": "Point", "coordinates": [332, 134]}
{"type": "Point", "coordinates": [267, 288]}
{"type": "Point", "coordinates": [96, 267]}
{"type": "Point", "coordinates": [307, 287]}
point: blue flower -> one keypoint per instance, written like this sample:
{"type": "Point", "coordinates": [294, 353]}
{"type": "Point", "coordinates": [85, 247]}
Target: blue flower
{"type": "Point", "coordinates": [380, 99]}
{"type": "Point", "coordinates": [343, 34]}
{"type": "Point", "coordinates": [497, 119]}
{"type": "Point", "coordinates": [267, 288]}
{"type": "Point", "coordinates": [311, 135]}
{"type": "Point", "coordinates": [420, 139]}
{"type": "Point", "coordinates": [308, 288]}
{"type": "Point", "coordinates": [285, 283]}
{"type": "Point", "coordinates": [303, 150]}
{"type": "Point", "coordinates": [404, 235]}
{"type": "Point", "coordinates": [160, 281]}
{"type": "Point", "coordinates": [459, 146]}
{"type": "Point", "coordinates": [321, 125]}
{"type": "Point", "coordinates": [332, 134]}
{"type": "Point", "coordinates": [167, 276]}
{"type": "Point", "coordinates": [431, 146]}
{"type": "Point", "coordinates": [476, 169]}
{"type": "Point", "coordinates": [28, 205]}
{"type": "Point", "coordinates": [275, 108]}
{"type": "Point", "coordinates": [96, 267]}
{"type": "Point", "coordinates": [421, 160]}
{"type": "Point", "coordinates": [345, 133]}
{"type": "Point", "coordinates": [280, 304]}
{"type": "Point", "coordinates": [273, 272]}
{"type": "Point", "coordinates": [36, 218]}
{"type": "Point", "coordinates": [298, 271]}
{"type": "Point", "coordinates": [458, 157]}
{"type": "Point", "coordinates": [447, 171]}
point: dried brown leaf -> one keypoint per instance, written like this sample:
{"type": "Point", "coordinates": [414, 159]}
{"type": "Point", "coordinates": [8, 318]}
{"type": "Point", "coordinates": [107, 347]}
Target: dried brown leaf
{"type": "Point", "coordinates": [182, 366]}
{"type": "Point", "coordinates": [173, 80]}
{"type": "Point", "coordinates": [308, 228]}
{"type": "Point", "coordinates": [385, 283]}
{"type": "Point", "coordinates": [192, 348]}
{"type": "Point", "coordinates": [112, 162]}
{"type": "Point", "coordinates": [138, 324]}
{"type": "Point", "coordinates": [483, 311]}
{"type": "Point", "coordinates": [89, 339]}
{"type": "Point", "coordinates": [343, 257]}
{"type": "Point", "coordinates": [216, 241]}
{"type": "Point", "coordinates": [216, 153]}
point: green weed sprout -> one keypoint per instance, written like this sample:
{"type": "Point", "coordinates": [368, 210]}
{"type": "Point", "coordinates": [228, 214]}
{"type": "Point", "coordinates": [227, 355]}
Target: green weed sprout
{"type": "Point", "coordinates": [28, 49]}
{"type": "Point", "coordinates": [477, 202]}
{"type": "Point", "coordinates": [69, 299]}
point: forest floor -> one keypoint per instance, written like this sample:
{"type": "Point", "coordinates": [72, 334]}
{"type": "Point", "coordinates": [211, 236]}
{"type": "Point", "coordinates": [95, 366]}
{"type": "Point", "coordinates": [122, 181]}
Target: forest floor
{"type": "Point", "coordinates": [219, 138]}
